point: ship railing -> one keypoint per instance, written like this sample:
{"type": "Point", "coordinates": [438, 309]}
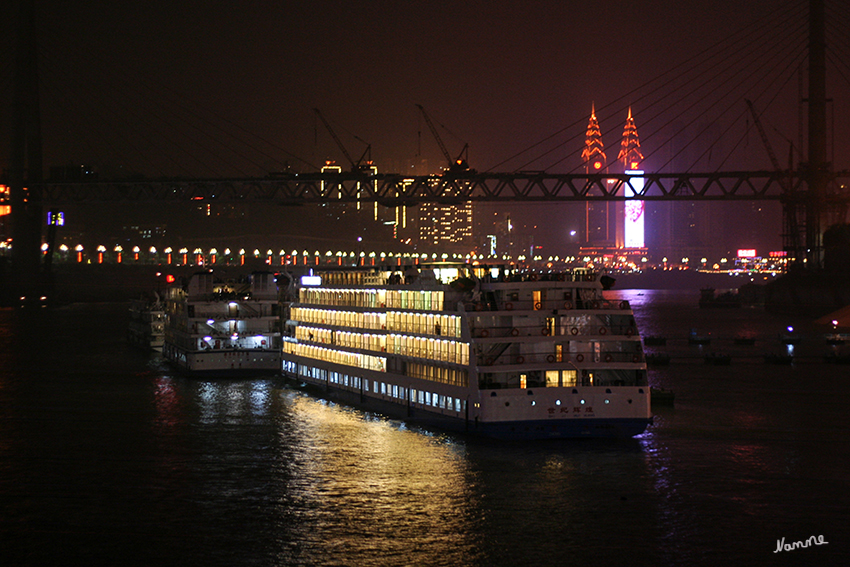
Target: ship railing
{"type": "Point", "coordinates": [566, 276]}
{"type": "Point", "coordinates": [550, 305]}
{"type": "Point", "coordinates": [598, 329]}
{"type": "Point", "coordinates": [243, 313]}
{"type": "Point", "coordinates": [572, 358]}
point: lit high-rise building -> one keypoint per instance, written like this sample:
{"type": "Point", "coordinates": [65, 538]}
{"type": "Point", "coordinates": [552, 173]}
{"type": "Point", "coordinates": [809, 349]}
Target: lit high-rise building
{"type": "Point", "coordinates": [446, 227]}
{"type": "Point", "coordinates": [614, 227]}
{"type": "Point", "coordinates": [634, 211]}
{"type": "Point", "coordinates": [600, 230]}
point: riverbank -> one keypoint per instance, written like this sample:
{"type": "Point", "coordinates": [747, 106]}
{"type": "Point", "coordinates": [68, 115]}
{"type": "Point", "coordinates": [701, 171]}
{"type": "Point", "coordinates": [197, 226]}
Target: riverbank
{"type": "Point", "coordinates": [687, 280]}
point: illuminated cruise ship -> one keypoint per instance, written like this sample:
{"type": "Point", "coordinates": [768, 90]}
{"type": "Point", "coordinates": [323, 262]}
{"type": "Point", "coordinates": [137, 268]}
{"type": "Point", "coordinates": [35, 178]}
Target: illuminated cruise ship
{"type": "Point", "coordinates": [485, 351]}
{"type": "Point", "coordinates": [223, 328]}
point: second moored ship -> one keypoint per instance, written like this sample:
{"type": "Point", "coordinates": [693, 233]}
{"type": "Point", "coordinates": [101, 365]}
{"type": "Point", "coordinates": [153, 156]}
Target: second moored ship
{"type": "Point", "coordinates": [223, 328]}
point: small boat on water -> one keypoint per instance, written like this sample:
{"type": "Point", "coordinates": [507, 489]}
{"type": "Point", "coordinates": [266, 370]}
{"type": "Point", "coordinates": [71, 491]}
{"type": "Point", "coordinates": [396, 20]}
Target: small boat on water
{"type": "Point", "coordinates": [774, 358]}
{"type": "Point", "coordinates": [790, 338]}
{"type": "Point", "coordinates": [718, 359]}
{"type": "Point", "coordinates": [695, 339]}
{"type": "Point", "coordinates": [837, 358]}
{"type": "Point", "coordinates": [709, 299]}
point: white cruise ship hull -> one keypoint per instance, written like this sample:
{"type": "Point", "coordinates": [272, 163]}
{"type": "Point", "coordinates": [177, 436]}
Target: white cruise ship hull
{"type": "Point", "coordinates": [545, 413]}
{"type": "Point", "coordinates": [229, 363]}
{"type": "Point", "coordinates": [505, 355]}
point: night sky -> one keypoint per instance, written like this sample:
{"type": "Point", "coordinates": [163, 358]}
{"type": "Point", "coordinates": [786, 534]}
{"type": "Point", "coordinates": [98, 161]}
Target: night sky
{"type": "Point", "coordinates": [208, 89]}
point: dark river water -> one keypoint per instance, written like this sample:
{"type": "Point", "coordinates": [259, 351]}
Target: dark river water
{"type": "Point", "coordinates": [109, 458]}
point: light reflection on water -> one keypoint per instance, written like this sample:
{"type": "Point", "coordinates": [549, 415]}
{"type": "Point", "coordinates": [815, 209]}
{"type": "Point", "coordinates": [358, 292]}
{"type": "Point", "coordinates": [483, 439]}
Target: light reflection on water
{"type": "Point", "coordinates": [109, 454]}
{"type": "Point", "coordinates": [367, 488]}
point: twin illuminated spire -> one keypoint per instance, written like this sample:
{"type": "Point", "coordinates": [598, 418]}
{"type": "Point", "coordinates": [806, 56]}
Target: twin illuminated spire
{"type": "Point", "coordinates": [594, 150]}
{"type": "Point", "coordinates": [630, 146]}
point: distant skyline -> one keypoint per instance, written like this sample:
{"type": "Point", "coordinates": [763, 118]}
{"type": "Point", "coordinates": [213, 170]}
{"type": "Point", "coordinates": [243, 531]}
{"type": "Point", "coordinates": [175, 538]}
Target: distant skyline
{"type": "Point", "coordinates": [208, 90]}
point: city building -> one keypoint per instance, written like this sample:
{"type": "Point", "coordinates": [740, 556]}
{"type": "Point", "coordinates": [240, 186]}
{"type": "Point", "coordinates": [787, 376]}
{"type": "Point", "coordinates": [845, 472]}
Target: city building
{"type": "Point", "coordinates": [613, 228]}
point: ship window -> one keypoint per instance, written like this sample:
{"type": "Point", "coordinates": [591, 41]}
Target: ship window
{"type": "Point", "coordinates": [427, 398]}
{"type": "Point", "coordinates": [523, 381]}
{"type": "Point", "coordinates": [539, 299]}
{"type": "Point", "coordinates": [457, 404]}
{"type": "Point", "coordinates": [552, 378]}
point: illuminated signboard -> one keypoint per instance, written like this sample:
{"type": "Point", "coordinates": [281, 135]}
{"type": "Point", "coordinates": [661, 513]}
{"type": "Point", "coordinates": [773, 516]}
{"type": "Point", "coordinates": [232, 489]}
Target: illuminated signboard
{"type": "Point", "coordinates": [634, 221]}
{"type": "Point", "coordinates": [56, 217]}
{"type": "Point", "coordinates": [746, 253]}
{"type": "Point", "coordinates": [311, 280]}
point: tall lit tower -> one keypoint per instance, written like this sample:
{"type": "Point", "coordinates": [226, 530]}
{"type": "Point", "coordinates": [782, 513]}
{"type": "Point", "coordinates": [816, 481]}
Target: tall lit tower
{"type": "Point", "coordinates": [598, 214]}
{"type": "Point", "coordinates": [594, 150]}
{"type": "Point", "coordinates": [630, 153]}
{"type": "Point", "coordinates": [634, 211]}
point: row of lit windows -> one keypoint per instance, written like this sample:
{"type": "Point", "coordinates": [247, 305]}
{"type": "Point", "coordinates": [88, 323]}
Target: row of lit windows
{"type": "Point", "coordinates": [404, 345]}
{"type": "Point", "coordinates": [375, 298]}
{"type": "Point", "coordinates": [377, 387]}
{"type": "Point", "coordinates": [422, 323]}
{"type": "Point", "coordinates": [451, 376]}
{"type": "Point", "coordinates": [357, 360]}
{"type": "Point", "coordinates": [351, 278]}
{"type": "Point", "coordinates": [556, 378]}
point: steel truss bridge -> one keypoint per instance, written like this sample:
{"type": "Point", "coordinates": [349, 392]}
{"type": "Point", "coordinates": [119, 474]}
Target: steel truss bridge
{"type": "Point", "coordinates": [391, 190]}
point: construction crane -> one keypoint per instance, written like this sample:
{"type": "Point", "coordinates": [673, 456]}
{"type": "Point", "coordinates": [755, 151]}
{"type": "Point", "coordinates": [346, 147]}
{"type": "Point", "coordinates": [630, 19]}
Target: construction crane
{"type": "Point", "coordinates": [765, 141]}
{"type": "Point", "coordinates": [460, 163]}
{"type": "Point", "coordinates": [792, 226]}
{"type": "Point", "coordinates": [360, 165]}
